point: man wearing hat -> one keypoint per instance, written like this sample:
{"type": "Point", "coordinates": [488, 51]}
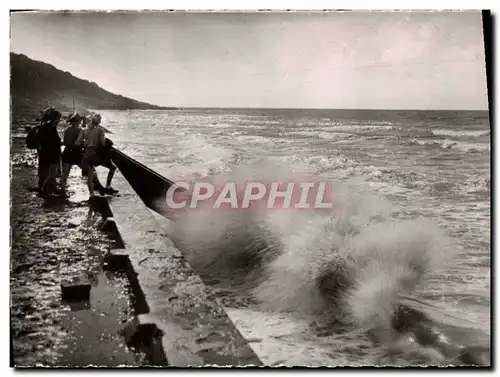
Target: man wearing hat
{"type": "Point", "coordinates": [94, 142]}
{"type": "Point", "coordinates": [49, 151]}
{"type": "Point", "coordinates": [73, 152]}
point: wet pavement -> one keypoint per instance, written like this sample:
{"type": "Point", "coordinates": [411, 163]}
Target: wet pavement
{"type": "Point", "coordinates": [54, 241]}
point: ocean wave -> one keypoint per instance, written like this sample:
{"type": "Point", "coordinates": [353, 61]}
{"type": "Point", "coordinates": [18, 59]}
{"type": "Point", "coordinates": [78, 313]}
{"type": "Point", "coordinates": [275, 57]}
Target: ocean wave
{"type": "Point", "coordinates": [315, 134]}
{"type": "Point", "coordinates": [461, 133]}
{"type": "Point", "coordinates": [466, 147]}
{"type": "Point", "coordinates": [335, 164]}
{"type": "Point", "coordinates": [348, 265]}
{"type": "Point", "coordinates": [222, 125]}
{"type": "Point", "coordinates": [444, 188]}
{"type": "Point", "coordinates": [261, 122]}
{"type": "Point", "coordinates": [475, 185]}
{"type": "Point", "coordinates": [449, 144]}
{"type": "Point", "coordinates": [417, 132]}
{"type": "Point", "coordinates": [422, 142]}
{"type": "Point", "coordinates": [357, 127]}
{"type": "Point", "coordinates": [257, 139]}
{"type": "Point", "coordinates": [191, 154]}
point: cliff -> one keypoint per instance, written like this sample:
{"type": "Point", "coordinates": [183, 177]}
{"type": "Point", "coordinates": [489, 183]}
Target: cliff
{"type": "Point", "coordinates": [35, 85]}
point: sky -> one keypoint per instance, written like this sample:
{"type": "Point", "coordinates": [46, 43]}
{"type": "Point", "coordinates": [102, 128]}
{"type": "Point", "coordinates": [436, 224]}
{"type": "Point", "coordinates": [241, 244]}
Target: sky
{"type": "Point", "coordinates": [360, 60]}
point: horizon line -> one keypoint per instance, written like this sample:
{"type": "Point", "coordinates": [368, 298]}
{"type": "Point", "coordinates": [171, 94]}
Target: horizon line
{"type": "Point", "coordinates": [309, 108]}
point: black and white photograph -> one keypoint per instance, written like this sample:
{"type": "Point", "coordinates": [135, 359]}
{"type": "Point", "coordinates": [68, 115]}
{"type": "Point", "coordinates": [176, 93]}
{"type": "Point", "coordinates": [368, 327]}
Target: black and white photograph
{"type": "Point", "coordinates": [243, 188]}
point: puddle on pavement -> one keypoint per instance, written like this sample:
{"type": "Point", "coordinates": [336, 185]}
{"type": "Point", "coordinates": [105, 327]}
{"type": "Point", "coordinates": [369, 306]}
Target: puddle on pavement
{"type": "Point", "coordinates": [94, 325]}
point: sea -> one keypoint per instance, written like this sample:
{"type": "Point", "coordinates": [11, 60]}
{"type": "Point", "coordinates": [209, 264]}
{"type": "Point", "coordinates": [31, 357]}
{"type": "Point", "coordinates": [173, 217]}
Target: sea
{"type": "Point", "coordinates": [426, 174]}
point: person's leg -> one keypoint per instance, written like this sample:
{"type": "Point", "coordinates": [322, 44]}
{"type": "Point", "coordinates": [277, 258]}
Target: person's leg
{"type": "Point", "coordinates": [111, 173]}
{"type": "Point", "coordinates": [43, 171]}
{"type": "Point", "coordinates": [57, 174]}
{"type": "Point", "coordinates": [65, 174]}
{"type": "Point", "coordinates": [54, 174]}
{"type": "Point", "coordinates": [40, 179]}
{"type": "Point", "coordinates": [44, 189]}
{"type": "Point", "coordinates": [42, 174]}
{"type": "Point", "coordinates": [49, 184]}
{"type": "Point", "coordinates": [59, 169]}
{"type": "Point", "coordinates": [90, 180]}
{"type": "Point", "coordinates": [97, 183]}
{"type": "Point", "coordinates": [107, 163]}
{"type": "Point", "coordinates": [87, 166]}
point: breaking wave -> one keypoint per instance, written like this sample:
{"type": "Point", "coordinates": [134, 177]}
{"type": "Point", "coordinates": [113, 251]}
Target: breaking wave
{"type": "Point", "coordinates": [348, 265]}
{"type": "Point", "coordinates": [451, 144]}
{"type": "Point", "coordinates": [476, 185]}
{"type": "Point", "coordinates": [460, 133]}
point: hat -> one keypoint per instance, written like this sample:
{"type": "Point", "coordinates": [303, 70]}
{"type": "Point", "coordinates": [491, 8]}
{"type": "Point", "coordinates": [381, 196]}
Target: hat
{"type": "Point", "coordinates": [74, 118]}
{"type": "Point", "coordinates": [96, 118]}
{"type": "Point", "coordinates": [51, 114]}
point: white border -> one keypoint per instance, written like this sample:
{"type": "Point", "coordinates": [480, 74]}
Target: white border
{"type": "Point", "coordinates": [180, 5]}
{"type": "Point", "coordinates": [256, 4]}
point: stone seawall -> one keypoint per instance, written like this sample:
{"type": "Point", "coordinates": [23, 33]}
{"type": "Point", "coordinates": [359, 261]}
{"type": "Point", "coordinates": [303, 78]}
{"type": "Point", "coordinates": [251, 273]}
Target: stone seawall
{"type": "Point", "coordinates": [178, 321]}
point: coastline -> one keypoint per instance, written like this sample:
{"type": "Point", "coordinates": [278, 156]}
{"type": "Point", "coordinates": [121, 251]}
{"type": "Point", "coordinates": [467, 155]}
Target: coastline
{"type": "Point", "coordinates": [146, 306]}
{"type": "Point", "coordinates": [53, 243]}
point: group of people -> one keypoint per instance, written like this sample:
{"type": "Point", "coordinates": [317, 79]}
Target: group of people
{"type": "Point", "coordinates": [86, 147]}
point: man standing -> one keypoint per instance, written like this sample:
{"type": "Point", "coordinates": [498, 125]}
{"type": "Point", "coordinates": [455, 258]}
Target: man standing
{"type": "Point", "coordinates": [49, 152]}
{"type": "Point", "coordinates": [94, 142]}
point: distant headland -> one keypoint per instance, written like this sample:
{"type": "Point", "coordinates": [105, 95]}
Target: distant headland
{"type": "Point", "coordinates": [34, 85]}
